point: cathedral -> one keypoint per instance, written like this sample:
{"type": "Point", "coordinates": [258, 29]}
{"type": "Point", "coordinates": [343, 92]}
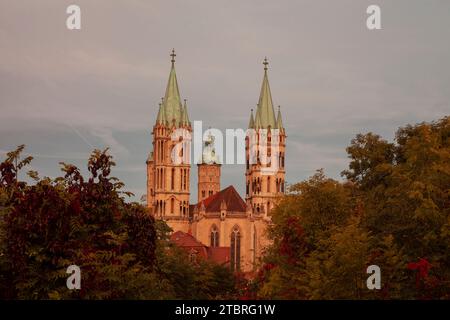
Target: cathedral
{"type": "Point", "coordinates": [220, 226]}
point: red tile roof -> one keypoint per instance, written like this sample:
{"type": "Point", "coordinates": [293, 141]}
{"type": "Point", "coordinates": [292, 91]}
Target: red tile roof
{"type": "Point", "coordinates": [220, 255]}
{"type": "Point", "coordinates": [183, 239]}
{"type": "Point", "coordinates": [231, 197]}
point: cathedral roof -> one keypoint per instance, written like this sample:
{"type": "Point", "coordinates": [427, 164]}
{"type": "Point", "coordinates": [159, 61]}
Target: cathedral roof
{"type": "Point", "coordinates": [229, 196]}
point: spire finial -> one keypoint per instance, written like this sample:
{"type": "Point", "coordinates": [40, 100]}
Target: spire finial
{"type": "Point", "coordinates": [173, 55]}
{"type": "Point", "coordinates": [265, 63]}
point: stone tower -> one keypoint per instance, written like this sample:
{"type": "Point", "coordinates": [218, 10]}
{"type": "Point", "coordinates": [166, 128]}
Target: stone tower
{"type": "Point", "coordinates": [208, 171]}
{"type": "Point", "coordinates": [265, 153]}
{"type": "Point", "coordinates": [167, 179]}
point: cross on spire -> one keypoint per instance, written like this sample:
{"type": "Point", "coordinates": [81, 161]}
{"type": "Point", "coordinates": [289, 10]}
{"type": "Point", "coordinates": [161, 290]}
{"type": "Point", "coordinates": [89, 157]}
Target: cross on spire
{"type": "Point", "coordinates": [173, 55]}
{"type": "Point", "coordinates": [265, 63]}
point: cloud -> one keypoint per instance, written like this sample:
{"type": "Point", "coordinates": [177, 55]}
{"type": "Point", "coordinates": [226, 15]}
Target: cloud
{"type": "Point", "coordinates": [64, 92]}
{"type": "Point", "coordinates": [106, 135]}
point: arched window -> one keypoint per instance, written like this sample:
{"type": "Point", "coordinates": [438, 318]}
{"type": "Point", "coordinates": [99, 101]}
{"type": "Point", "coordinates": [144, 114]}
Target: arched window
{"type": "Point", "coordinates": [254, 246]}
{"type": "Point", "coordinates": [214, 236]}
{"type": "Point", "coordinates": [268, 184]}
{"type": "Point", "coordinates": [172, 205]}
{"type": "Point", "coordinates": [235, 249]}
{"type": "Point", "coordinates": [172, 179]}
{"type": "Point", "coordinates": [203, 193]}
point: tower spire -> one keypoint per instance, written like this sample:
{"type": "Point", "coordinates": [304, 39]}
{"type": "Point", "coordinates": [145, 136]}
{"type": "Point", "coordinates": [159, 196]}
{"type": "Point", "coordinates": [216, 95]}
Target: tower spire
{"type": "Point", "coordinates": [265, 114]}
{"type": "Point", "coordinates": [173, 55]}
{"type": "Point", "coordinates": [279, 120]}
{"type": "Point", "coordinates": [172, 101]}
{"type": "Point", "coordinates": [251, 123]}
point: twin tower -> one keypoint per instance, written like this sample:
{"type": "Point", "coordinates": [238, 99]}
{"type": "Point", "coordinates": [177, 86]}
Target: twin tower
{"type": "Point", "coordinates": [168, 183]}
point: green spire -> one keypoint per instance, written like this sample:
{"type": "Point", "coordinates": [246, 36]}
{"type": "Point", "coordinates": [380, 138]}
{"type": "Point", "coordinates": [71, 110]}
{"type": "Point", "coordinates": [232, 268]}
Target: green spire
{"type": "Point", "coordinates": [258, 124]}
{"type": "Point", "coordinates": [279, 120]}
{"type": "Point", "coordinates": [172, 102]}
{"type": "Point", "coordinates": [161, 119]}
{"type": "Point", "coordinates": [251, 123]}
{"type": "Point", "coordinates": [265, 112]}
{"type": "Point", "coordinates": [185, 116]}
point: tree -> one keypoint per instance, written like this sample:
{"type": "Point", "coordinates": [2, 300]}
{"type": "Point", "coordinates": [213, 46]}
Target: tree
{"type": "Point", "coordinates": [123, 253]}
{"type": "Point", "coordinates": [393, 211]}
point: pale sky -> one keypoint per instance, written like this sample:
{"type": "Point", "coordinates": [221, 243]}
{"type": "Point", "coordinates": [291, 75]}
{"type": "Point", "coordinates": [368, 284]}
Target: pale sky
{"type": "Point", "coordinates": [63, 93]}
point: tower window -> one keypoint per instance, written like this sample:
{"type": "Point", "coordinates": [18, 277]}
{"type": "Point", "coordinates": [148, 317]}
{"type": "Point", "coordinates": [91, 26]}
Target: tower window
{"type": "Point", "coordinates": [172, 205]}
{"type": "Point", "coordinates": [172, 179]}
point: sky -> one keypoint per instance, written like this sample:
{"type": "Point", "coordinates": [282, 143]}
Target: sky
{"type": "Point", "coordinates": [66, 92]}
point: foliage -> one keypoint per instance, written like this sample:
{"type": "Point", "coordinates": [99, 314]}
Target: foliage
{"type": "Point", "coordinates": [121, 251]}
{"type": "Point", "coordinates": [393, 211]}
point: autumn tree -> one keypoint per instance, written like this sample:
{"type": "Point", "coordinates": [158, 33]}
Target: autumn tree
{"type": "Point", "coordinates": [392, 211]}
{"type": "Point", "coordinates": [123, 253]}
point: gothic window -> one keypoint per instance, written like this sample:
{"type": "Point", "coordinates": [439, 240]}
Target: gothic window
{"type": "Point", "coordinates": [247, 191]}
{"type": "Point", "coordinates": [254, 245]}
{"type": "Point", "coordinates": [268, 184]}
{"type": "Point", "coordinates": [172, 179]}
{"type": "Point", "coordinates": [214, 236]}
{"type": "Point", "coordinates": [181, 179]}
{"type": "Point", "coordinates": [282, 185]}
{"type": "Point", "coordinates": [235, 249]}
{"type": "Point", "coordinates": [172, 205]}
{"type": "Point", "coordinates": [203, 193]}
